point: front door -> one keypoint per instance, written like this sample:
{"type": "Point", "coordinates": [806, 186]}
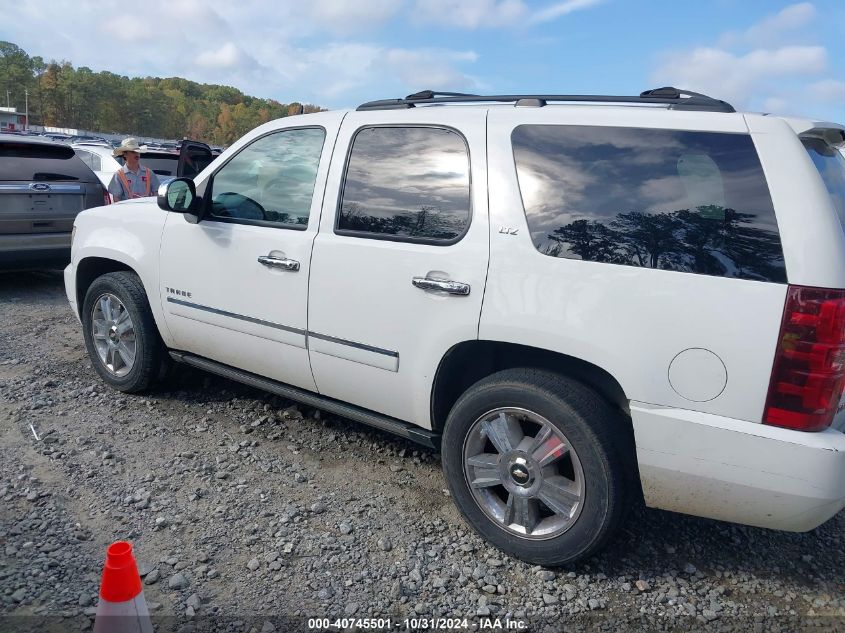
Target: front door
{"type": "Point", "coordinates": [400, 261]}
{"type": "Point", "coordinates": [234, 285]}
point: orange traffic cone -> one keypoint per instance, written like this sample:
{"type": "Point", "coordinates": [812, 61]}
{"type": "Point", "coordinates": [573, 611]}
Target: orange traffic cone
{"type": "Point", "coordinates": [122, 608]}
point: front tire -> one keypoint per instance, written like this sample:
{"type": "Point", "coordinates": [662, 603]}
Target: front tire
{"type": "Point", "coordinates": [536, 464]}
{"type": "Point", "coordinates": [120, 333]}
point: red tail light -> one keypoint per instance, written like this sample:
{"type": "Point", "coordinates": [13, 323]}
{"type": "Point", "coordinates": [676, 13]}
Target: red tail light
{"type": "Point", "coordinates": [809, 371]}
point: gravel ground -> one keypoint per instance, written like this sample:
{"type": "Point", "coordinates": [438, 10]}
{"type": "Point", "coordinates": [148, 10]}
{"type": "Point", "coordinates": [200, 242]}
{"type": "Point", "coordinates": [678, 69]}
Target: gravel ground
{"type": "Point", "coordinates": [250, 513]}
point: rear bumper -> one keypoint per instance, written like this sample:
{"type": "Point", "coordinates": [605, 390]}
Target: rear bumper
{"type": "Point", "coordinates": [738, 471]}
{"type": "Point", "coordinates": [39, 250]}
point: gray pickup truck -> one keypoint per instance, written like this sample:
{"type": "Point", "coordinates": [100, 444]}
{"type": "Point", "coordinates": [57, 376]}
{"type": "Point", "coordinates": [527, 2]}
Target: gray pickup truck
{"type": "Point", "coordinates": [43, 186]}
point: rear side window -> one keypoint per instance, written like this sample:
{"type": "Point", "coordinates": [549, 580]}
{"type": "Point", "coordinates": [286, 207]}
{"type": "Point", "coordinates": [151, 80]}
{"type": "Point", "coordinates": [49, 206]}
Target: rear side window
{"type": "Point", "coordinates": [162, 164]}
{"type": "Point", "coordinates": [406, 184]}
{"type": "Point", "coordinates": [92, 160]}
{"type": "Point", "coordinates": [34, 162]}
{"type": "Point", "coordinates": [196, 158]}
{"type": "Point", "coordinates": [831, 166]}
{"type": "Point", "coordinates": [674, 200]}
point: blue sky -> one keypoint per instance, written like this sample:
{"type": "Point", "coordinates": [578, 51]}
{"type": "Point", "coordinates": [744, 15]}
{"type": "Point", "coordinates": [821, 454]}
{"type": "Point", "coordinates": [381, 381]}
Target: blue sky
{"type": "Point", "coordinates": [782, 57]}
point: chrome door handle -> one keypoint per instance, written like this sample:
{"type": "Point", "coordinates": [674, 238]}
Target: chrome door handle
{"type": "Point", "coordinates": [275, 262]}
{"type": "Point", "coordinates": [451, 287]}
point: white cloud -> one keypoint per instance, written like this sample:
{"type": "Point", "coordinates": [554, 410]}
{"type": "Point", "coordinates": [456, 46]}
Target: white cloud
{"type": "Point", "coordinates": [775, 65]}
{"type": "Point", "coordinates": [123, 29]}
{"type": "Point", "coordinates": [227, 56]}
{"type": "Point", "coordinates": [342, 69]}
{"type": "Point", "coordinates": [829, 90]}
{"type": "Point", "coordinates": [287, 51]}
{"type": "Point", "coordinates": [331, 71]}
{"type": "Point", "coordinates": [738, 78]}
{"type": "Point", "coordinates": [772, 30]}
{"type": "Point", "coordinates": [558, 10]}
{"type": "Point", "coordinates": [776, 104]}
{"type": "Point", "coordinates": [346, 16]}
{"type": "Point", "coordinates": [430, 68]}
{"type": "Point", "coordinates": [473, 14]}
{"type": "Point", "coordinates": [469, 14]}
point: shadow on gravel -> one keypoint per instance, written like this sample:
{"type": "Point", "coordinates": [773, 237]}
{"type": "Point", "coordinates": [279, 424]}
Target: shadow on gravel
{"type": "Point", "coordinates": [15, 282]}
{"type": "Point", "coordinates": [673, 544]}
{"type": "Point", "coordinates": [187, 383]}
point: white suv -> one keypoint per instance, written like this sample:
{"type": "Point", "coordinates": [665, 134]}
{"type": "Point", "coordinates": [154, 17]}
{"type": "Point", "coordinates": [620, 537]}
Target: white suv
{"type": "Point", "coordinates": [584, 301]}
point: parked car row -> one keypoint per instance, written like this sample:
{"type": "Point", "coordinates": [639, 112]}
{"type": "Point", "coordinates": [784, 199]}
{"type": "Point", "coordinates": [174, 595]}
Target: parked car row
{"type": "Point", "coordinates": [45, 183]}
{"type": "Point", "coordinates": [188, 161]}
{"type": "Point", "coordinates": [175, 145]}
{"type": "Point", "coordinates": [43, 186]}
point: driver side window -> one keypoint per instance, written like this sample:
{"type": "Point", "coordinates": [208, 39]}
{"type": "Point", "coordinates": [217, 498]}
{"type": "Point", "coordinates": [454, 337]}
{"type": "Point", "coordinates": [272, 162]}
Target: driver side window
{"type": "Point", "coordinates": [271, 181]}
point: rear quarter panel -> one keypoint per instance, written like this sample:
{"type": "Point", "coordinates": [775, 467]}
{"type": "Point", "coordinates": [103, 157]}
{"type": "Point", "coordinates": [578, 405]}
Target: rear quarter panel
{"type": "Point", "coordinates": [811, 233]}
{"type": "Point", "coordinates": [631, 322]}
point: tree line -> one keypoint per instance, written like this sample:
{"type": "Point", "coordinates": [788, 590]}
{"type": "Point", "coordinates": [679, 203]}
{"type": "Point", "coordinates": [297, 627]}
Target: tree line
{"type": "Point", "coordinates": [709, 240]}
{"type": "Point", "coordinates": [427, 222]}
{"type": "Point", "coordinates": [63, 96]}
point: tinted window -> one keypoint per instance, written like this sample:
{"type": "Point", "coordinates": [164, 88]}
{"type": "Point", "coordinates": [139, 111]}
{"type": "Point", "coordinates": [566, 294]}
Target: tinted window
{"type": "Point", "coordinates": [270, 180]}
{"type": "Point", "coordinates": [196, 158]}
{"type": "Point", "coordinates": [37, 162]}
{"type": "Point", "coordinates": [92, 160]}
{"type": "Point", "coordinates": [162, 164]}
{"type": "Point", "coordinates": [411, 182]}
{"type": "Point", "coordinates": [831, 166]}
{"type": "Point", "coordinates": [686, 201]}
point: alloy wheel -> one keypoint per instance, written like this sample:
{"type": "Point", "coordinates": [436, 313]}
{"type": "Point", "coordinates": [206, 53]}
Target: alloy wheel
{"type": "Point", "coordinates": [523, 473]}
{"type": "Point", "coordinates": [113, 334]}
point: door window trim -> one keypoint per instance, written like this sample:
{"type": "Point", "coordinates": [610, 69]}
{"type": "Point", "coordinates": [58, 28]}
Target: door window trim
{"type": "Point", "coordinates": [208, 184]}
{"type": "Point", "coordinates": [399, 238]}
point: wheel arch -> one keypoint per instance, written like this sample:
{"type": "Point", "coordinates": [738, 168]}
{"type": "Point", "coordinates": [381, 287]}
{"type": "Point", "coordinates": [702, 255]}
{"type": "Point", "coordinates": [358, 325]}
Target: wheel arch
{"type": "Point", "coordinates": [89, 268]}
{"type": "Point", "coordinates": [469, 361]}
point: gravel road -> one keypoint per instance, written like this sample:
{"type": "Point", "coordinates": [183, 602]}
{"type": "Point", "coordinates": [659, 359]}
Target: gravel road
{"type": "Point", "coordinates": [250, 513]}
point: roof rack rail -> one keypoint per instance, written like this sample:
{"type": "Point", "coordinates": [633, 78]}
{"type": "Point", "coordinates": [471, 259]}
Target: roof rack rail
{"type": "Point", "coordinates": [675, 98]}
{"type": "Point", "coordinates": [430, 94]}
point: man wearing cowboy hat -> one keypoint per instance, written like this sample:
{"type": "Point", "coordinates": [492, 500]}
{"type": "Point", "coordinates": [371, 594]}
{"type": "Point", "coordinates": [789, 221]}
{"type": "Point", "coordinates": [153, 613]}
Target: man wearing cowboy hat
{"type": "Point", "coordinates": [132, 180]}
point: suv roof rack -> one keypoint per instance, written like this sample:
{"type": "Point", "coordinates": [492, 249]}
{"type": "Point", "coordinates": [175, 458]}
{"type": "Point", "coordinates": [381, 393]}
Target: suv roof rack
{"type": "Point", "coordinates": [666, 95]}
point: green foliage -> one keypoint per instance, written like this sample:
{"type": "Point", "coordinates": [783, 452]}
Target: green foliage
{"type": "Point", "coordinates": [63, 96]}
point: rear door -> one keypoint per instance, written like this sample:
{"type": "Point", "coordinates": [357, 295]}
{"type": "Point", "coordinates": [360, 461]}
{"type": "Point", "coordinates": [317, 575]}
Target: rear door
{"type": "Point", "coordinates": [193, 158]}
{"type": "Point", "coordinates": [43, 187]}
{"type": "Point", "coordinates": [399, 264]}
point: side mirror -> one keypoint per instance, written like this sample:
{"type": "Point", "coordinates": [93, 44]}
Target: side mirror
{"type": "Point", "coordinates": [177, 195]}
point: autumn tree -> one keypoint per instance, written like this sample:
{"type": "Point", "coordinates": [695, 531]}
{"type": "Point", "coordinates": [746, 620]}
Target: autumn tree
{"type": "Point", "coordinates": [173, 107]}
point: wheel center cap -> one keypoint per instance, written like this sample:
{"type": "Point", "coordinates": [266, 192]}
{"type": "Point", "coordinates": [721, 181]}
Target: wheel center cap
{"type": "Point", "coordinates": [113, 335]}
{"type": "Point", "coordinates": [520, 474]}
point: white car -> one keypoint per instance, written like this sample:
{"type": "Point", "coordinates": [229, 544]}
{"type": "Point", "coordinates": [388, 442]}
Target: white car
{"type": "Point", "coordinates": [99, 158]}
{"type": "Point", "coordinates": [582, 301]}
{"type": "Point", "coordinates": [191, 159]}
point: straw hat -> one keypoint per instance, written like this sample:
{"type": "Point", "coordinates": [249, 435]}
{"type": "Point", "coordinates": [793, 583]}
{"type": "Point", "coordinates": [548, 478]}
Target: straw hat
{"type": "Point", "coordinates": [129, 145]}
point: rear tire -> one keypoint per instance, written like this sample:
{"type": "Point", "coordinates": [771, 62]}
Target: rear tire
{"type": "Point", "coordinates": [120, 333]}
{"type": "Point", "coordinates": [538, 465]}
